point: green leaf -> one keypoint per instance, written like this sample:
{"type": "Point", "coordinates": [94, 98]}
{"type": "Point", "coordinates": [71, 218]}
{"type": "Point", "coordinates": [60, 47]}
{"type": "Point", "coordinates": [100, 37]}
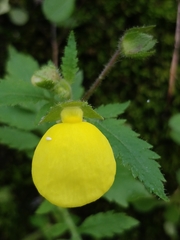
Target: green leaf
{"type": "Point", "coordinates": [77, 88]}
{"type": "Point", "coordinates": [55, 230]}
{"type": "Point", "coordinates": [112, 110]}
{"type": "Point", "coordinates": [172, 213]}
{"type": "Point", "coordinates": [18, 16]}
{"type": "Point", "coordinates": [18, 139]}
{"type": "Point", "coordinates": [69, 61]}
{"type": "Point", "coordinates": [107, 224]}
{"type": "Point", "coordinates": [17, 117]}
{"type": "Point", "coordinates": [58, 11]}
{"type": "Point", "coordinates": [143, 29]}
{"type": "Point", "coordinates": [4, 6]}
{"type": "Point", "coordinates": [39, 221]}
{"type": "Point", "coordinates": [175, 136]}
{"type": "Point", "coordinates": [125, 188]}
{"type": "Point", "coordinates": [54, 113]}
{"type": "Point", "coordinates": [42, 111]}
{"type": "Point", "coordinates": [19, 92]}
{"type": "Point", "coordinates": [135, 154]}
{"type": "Point", "coordinates": [147, 204]}
{"type": "Point", "coordinates": [45, 207]}
{"type": "Point", "coordinates": [174, 124]}
{"type": "Point", "coordinates": [20, 66]}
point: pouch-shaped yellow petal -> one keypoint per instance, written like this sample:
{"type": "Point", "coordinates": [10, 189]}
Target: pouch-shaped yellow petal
{"type": "Point", "coordinates": [73, 164]}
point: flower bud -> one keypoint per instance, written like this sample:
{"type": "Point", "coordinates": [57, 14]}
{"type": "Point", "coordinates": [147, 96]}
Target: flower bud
{"type": "Point", "coordinates": [137, 43]}
{"type": "Point", "coordinates": [46, 77]}
{"type": "Point", "coordinates": [63, 89]}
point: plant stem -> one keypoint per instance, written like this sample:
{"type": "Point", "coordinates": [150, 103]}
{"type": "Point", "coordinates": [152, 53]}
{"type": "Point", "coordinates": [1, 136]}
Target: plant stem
{"type": "Point", "coordinates": [102, 75]}
{"type": "Point", "coordinates": [54, 44]}
{"type": "Point", "coordinates": [72, 227]}
{"type": "Point", "coordinates": [175, 58]}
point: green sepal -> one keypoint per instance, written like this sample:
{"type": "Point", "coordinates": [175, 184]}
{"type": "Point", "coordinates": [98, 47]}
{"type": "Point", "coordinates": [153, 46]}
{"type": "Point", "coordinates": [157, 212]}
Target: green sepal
{"type": "Point", "coordinates": [54, 113]}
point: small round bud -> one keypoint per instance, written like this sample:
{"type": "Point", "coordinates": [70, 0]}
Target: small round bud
{"type": "Point", "coordinates": [46, 77]}
{"type": "Point", "coordinates": [63, 89]}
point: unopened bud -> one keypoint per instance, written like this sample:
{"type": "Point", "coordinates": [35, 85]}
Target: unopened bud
{"type": "Point", "coordinates": [46, 77]}
{"type": "Point", "coordinates": [63, 89]}
{"type": "Point", "coordinates": [137, 43]}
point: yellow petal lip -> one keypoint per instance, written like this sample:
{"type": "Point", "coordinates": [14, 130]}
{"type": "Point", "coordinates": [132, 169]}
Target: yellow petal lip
{"type": "Point", "coordinates": [73, 164]}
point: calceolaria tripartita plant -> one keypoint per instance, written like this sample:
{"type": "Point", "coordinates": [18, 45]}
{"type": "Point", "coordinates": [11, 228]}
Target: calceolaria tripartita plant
{"type": "Point", "coordinates": [75, 161]}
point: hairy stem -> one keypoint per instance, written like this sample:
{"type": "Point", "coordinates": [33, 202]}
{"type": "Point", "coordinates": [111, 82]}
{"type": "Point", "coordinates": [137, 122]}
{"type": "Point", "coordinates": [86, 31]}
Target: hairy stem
{"type": "Point", "coordinates": [175, 58]}
{"type": "Point", "coordinates": [102, 75]}
{"type": "Point", "coordinates": [72, 227]}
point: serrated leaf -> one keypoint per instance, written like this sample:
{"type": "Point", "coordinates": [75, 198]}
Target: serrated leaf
{"type": "Point", "coordinates": [17, 117]}
{"type": "Point", "coordinates": [58, 11]}
{"type": "Point", "coordinates": [18, 139]}
{"type": "Point", "coordinates": [143, 29]}
{"type": "Point", "coordinates": [112, 110]}
{"type": "Point", "coordinates": [77, 88]}
{"type": "Point", "coordinates": [134, 154]}
{"type": "Point", "coordinates": [45, 207]}
{"type": "Point", "coordinates": [20, 66]}
{"type": "Point", "coordinates": [69, 61]}
{"type": "Point", "coordinates": [107, 224]}
{"type": "Point", "coordinates": [54, 113]}
{"type": "Point", "coordinates": [19, 92]}
{"type": "Point", "coordinates": [125, 188]}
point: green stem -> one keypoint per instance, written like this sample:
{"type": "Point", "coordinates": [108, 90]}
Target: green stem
{"type": "Point", "coordinates": [70, 223]}
{"type": "Point", "coordinates": [102, 75]}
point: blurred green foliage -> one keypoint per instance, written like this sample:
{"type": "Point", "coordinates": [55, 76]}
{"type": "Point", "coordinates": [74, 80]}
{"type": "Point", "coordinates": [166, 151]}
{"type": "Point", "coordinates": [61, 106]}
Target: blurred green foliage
{"type": "Point", "coordinates": [98, 25]}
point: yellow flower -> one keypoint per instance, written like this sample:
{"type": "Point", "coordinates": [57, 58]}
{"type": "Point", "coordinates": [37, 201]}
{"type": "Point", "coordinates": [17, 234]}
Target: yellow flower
{"type": "Point", "coordinates": [73, 163]}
